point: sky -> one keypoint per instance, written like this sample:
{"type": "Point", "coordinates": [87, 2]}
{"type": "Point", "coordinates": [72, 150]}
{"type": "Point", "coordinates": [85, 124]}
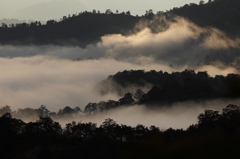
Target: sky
{"type": "Point", "coordinates": [56, 9]}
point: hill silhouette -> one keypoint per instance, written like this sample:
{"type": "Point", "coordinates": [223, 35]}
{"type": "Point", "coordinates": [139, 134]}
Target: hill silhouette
{"type": "Point", "coordinates": [167, 88]}
{"type": "Point", "coordinates": [88, 27]}
{"type": "Point", "coordinates": [79, 29]}
{"type": "Point", "coordinates": [222, 14]}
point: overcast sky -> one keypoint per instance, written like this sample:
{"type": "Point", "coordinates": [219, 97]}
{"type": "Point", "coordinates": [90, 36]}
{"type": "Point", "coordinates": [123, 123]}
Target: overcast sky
{"type": "Point", "coordinates": [55, 9]}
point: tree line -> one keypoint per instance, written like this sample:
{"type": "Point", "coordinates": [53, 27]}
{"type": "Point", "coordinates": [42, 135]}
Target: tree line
{"type": "Point", "coordinates": [167, 88]}
{"type": "Point", "coordinates": [164, 89]}
{"type": "Point", "coordinates": [42, 111]}
{"type": "Point", "coordinates": [88, 27]}
{"type": "Point", "coordinates": [81, 29]}
{"type": "Point", "coordinates": [213, 133]}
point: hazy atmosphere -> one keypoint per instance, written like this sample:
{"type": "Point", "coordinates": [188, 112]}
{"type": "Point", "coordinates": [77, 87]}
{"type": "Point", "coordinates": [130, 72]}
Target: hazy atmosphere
{"type": "Point", "coordinates": [56, 9]}
{"type": "Point", "coordinates": [57, 76]}
{"type": "Point", "coordinates": [119, 79]}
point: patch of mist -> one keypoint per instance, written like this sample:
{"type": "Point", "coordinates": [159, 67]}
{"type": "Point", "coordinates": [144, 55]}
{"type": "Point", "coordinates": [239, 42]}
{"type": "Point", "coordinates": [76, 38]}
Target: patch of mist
{"type": "Point", "coordinates": [177, 42]}
{"type": "Point", "coordinates": [178, 116]}
{"type": "Point", "coordinates": [57, 76]}
{"type": "Point", "coordinates": [217, 69]}
{"type": "Point", "coordinates": [56, 83]}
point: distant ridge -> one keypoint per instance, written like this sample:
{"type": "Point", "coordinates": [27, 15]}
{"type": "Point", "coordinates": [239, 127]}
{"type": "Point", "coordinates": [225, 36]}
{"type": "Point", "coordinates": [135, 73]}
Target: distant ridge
{"type": "Point", "coordinates": [88, 27]}
{"type": "Point", "coordinates": [16, 21]}
{"type": "Point", "coordinates": [80, 29]}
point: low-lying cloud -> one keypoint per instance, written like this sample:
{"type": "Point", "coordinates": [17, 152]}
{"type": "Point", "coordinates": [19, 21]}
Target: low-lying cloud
{"type": "Point", "coordinates": [178, 116]}
{"type": "Point", "coordinates": [57, 76]}
{"type": "Point", "coordinates": [179, 43]}
{"type": "Point", "coordinates": [56, 83]}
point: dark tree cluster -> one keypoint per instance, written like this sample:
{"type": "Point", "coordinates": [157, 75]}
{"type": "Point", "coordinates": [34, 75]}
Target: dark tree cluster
{"type": "Point", "coordinates": [42, 111]}
{"type": "Point", "coordinates": [103, 106]}
{"type": "Point", "coordinates": [45, 138]}
{"type": "Point", "coordinates": [167, 88]}
{"type": "Point", "coordinates": [91, 108]}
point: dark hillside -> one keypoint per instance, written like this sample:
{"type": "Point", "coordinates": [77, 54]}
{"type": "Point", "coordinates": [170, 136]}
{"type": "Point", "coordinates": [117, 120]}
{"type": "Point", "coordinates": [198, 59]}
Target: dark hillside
{"type": "Point", "coordinates": [172, 87]}
{"type": "Point", "coordinates": [222, 14]}
{"type": "Point", "coordinates": [77, 29]}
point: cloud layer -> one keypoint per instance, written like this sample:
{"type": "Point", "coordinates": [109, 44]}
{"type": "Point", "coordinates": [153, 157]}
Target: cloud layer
{"type": "Point", "coordinates": [65, 75]}
{"type": "Point", "coordinates": [57, 76]}
{"type": "Point", "coordinates": [182, 43]}
{"type": "Point", "coordinates": [56, 83]}
{"type": "Point", "coordinates": [179, 115]}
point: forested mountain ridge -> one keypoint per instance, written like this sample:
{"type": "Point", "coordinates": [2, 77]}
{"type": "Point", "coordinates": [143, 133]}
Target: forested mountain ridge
{"type": "Point", "coordinates": [88, 27]}
{"type": "Point", "coordinates": [222, 14]}
{"type": "Point", "coordinates": [79, 29]}
{"type": "Point", "coordinates": [167, 88]}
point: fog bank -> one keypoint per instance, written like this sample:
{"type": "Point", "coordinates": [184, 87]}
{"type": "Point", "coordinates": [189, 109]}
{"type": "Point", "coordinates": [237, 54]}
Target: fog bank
{"type": "Point", "coordinates": [179, 115]}
{"type": "Point", "coordinates": [57, 76]}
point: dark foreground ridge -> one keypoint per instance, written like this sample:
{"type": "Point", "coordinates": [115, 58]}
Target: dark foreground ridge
{"type": "Point", "coordinates": [216, 135]}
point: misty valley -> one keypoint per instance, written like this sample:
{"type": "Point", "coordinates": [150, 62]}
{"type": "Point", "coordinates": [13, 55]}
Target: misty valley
{"type": "Point", "coordinates": [113, 85]}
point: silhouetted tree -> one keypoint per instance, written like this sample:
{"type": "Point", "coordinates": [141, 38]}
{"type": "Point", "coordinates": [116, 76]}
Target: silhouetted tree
{"type": "Point", "coordinates": [127, 99]}
{"type": "Point", "coordinates": [128, 13]}
{"type": "Point", "coordinates": [201, 2]}
{"type": "Point", "coordinates": [52, 22]}
{"type": "Point", "coordinates": [108, 11]}
{"type": "Point", "coordinates": [45, 126]}
{"type": "Point", "coordinates": [4, 25]}
{"type": "Point", "coordinates": [110, 129]}
{"type": "Point", "coordinates": [141, 130]}
{"type": "Point", "coordinates": [5, 109]}
{"type": "Point", "coordinates": [44, 112]}
{"type": "Point", "coordinates": [90, 108]}
{"type": "Point", "coordinates": [208, 119]}
{"type": "Point", "coordinates": [68, 111]}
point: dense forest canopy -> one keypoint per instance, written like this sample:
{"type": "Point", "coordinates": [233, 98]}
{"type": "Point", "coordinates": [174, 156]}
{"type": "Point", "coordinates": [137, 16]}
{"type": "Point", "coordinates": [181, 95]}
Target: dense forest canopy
{"type": "Point", "coordinates": [45, 138]}
{"type": "Point", "coordinates": [172, 87]}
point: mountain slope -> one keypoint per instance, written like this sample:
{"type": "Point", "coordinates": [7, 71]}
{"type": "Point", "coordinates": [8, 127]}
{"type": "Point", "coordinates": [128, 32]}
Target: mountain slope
{"type": "Point", "coordinates": [78, 30]}
{"type": "Point", "coordinates": [222, 14]}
